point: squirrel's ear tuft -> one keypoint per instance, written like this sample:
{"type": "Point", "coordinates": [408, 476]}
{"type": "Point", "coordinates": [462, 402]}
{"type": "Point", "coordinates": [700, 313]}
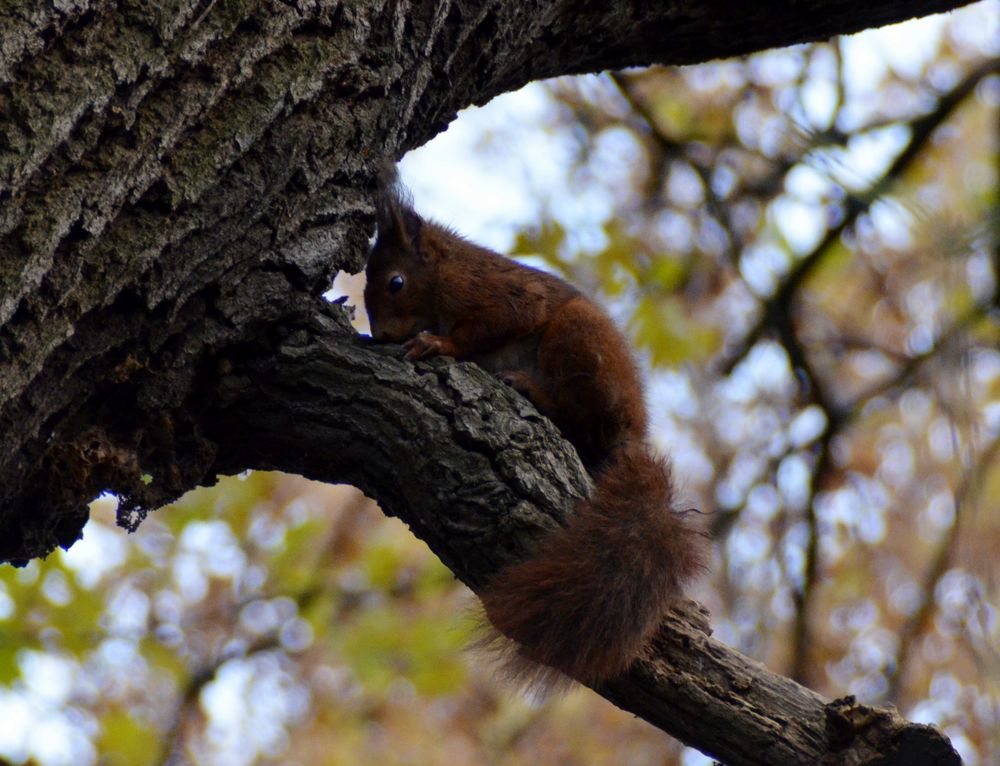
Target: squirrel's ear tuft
{"type": "Point", "coordinates": [398, 223]}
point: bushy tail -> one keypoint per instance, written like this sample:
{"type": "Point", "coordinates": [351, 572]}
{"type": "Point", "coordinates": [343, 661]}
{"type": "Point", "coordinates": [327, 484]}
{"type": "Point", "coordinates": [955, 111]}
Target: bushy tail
{"type": "Point", "coordinates": [595, 591]}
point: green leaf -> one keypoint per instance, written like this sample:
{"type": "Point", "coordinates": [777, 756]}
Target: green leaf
{"type": "Point", "coordinates": [9, 669]}
{"type": "Point", "coordinates": [124, 740]}
{"type": "Point", "coordinates": [661, 326]}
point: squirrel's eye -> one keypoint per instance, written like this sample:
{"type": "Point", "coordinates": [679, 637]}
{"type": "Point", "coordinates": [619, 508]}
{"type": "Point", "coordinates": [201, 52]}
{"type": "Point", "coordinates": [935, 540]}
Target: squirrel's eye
{"type": "Point", "coordinates": [395, 283]}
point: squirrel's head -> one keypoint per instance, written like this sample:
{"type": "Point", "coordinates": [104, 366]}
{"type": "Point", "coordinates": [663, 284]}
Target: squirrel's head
{"type": "Point", "coordinates": [401, 274]}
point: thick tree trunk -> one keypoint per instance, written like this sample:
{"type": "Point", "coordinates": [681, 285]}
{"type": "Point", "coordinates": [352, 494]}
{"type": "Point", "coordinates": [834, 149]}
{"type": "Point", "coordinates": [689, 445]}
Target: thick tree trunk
{"type": "Point", "coordinates": [178, 185]}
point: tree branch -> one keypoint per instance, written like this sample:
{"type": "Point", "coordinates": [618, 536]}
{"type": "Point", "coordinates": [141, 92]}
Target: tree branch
{"type": "Point", "coordinates": [777, 309]}
{"type": "Point", "coordinates": [474, 470]}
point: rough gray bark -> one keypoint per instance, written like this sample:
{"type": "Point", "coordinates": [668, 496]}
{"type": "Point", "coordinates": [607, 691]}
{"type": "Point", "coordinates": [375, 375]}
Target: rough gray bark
{"type": "Point", "coordinates": [180, 181]}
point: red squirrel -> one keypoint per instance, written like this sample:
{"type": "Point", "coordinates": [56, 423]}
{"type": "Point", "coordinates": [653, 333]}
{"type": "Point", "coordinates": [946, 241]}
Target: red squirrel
{"type": "Point", "coordinates": [594, 591]}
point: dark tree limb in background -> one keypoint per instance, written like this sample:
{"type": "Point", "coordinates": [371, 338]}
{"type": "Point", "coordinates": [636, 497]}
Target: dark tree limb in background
{"type": "Point", "coordinates": [937, 568]}
{"type": "Point", "coordinates": [777, 319]}
{"type": "Point", "coordinates": [179, 184]}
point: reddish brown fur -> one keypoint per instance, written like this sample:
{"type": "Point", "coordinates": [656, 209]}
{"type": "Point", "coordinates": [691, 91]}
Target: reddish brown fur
{"type": "Point", "coordinates": [594, 591]}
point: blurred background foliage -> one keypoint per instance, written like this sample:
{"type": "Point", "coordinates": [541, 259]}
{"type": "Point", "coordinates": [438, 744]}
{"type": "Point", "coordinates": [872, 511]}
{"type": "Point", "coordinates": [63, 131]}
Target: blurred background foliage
{"type": "Point", "coordinates": [803, 245]}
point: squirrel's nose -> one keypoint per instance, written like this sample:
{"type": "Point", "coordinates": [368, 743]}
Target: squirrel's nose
{"type": "Point", "coordinates": [378, 334]}
{"type": "Point", "coordinates": [375, 328]}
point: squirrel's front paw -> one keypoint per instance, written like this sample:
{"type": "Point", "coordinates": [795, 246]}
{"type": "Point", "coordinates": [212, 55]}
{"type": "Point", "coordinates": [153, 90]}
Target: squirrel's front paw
{"type": "Point", "coordinates": [511, 377]}
{"type": "Point", "coordinates": [425, 344]}
{"type": "Point", "coordinates": [519, 381]}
